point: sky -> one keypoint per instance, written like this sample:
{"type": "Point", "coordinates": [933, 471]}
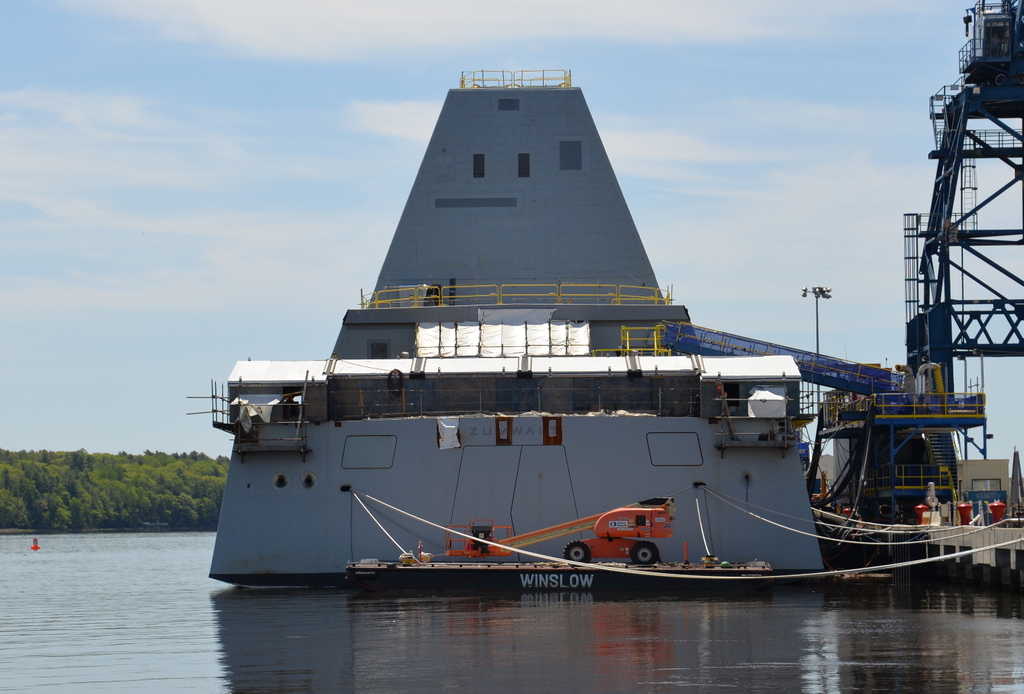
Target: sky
{"type": "Point", "coordinates": [189, 183]}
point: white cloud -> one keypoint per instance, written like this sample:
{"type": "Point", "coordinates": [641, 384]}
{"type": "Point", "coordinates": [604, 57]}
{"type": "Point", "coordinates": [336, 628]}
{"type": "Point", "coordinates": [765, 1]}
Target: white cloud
{"type": "Point", "coordinates": [272, 260]}
{"type": "Point", "coordinates": [101, 115]}
{"type": "Point", "coordinates": [663, 144]}
{"type": "Point", "coordinates": [54, 142]}
{"type": "Point", "coordinates": [64, 153]}
{"type": "Point", "coordinates": [410, 120]}
{"type": "Point", "coordinates": [353, 30]}
{"type": "Point", "coordinates": [704, 157]}
{"type": "Point", "coordinates": [108, 201]}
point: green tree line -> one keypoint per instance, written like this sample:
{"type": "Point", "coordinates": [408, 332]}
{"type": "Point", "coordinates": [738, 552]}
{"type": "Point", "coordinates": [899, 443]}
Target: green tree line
{"type": "Point", "coordinates": [76, 490]}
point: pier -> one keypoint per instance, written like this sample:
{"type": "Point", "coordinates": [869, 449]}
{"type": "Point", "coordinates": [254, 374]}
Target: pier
{"type": "Point", "coordinates": [999, 567]}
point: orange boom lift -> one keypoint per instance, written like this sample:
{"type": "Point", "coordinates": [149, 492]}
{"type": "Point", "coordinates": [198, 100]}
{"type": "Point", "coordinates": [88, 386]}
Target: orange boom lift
{"type": "Point", "coordinates": [622, 532]}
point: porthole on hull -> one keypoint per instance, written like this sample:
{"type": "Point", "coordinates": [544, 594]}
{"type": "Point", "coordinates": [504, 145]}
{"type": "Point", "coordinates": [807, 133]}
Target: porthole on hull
{"type": "Point", "coordinates": [308, 480]}
{"type": "Point", "coordinates": [280, 480]}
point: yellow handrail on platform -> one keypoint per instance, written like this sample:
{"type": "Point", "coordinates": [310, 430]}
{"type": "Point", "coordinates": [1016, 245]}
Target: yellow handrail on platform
{"type": "Point", "coordinates": [923, 405]}
{"type": "Point", "coordinates": [909, 477]}
{"type": "Point", "coordinates": [506, 79]}
{"type": "Point", "coordinates": [464, 294]}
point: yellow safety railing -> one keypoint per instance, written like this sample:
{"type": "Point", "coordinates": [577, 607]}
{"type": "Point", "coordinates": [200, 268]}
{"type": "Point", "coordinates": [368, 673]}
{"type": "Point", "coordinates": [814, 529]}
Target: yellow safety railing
{"type": "Point", "coordinates": [601, 292]}
{"type": "Point", "coordinates": [909, 477]}
{"type": "Point", "coordinates": [504, 79]}
{"type": "Point", "coordinates": [465, 294]}
{"type": "Point", "coordinates": [627, 293]}
{"type": "Point", "coordinates": [542, 293]}
{"type": "Point", "coordinates": [647, 341]}
{"type": "Point", "coordinates": [923, 405]}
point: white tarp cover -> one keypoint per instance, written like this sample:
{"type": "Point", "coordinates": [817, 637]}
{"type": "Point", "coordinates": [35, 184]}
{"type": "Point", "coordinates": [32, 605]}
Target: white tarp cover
{"type": "Point", "coordinates": [514, 316]}
{"type": "Point", "coordinates": [772, 367]}
{"type": "Point", "coordinates": [767, 401]}
{"type": "Point", "coordinates": [255, 405]}
{"type": "Point", "coordinates": [556, 338]}
{"type": "Point", "coordinates": [467, 339]}
{"type": "Point", "coordinates": [278, 371]}
{"type": "Point", "coordinates": [513, 340]}
{"type": "Point", "coordinates": [428, 339]}
{"type": "Point", "coordinates": [538, 339]}
{"type": "Point", "coordinates": [448, 433]}
{"type": "Point", "coordinates": [490, 340]}
{"type": "Point", "coordinates": [559, 338]}
{"type": "Point", "coordinates": [447, 339]}
{"type": "Point", "coordinates": [579, 339]}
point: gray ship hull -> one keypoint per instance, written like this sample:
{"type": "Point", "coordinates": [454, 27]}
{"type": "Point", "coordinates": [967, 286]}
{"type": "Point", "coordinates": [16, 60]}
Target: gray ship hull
{"type": "Point", "coordinates": [297, 535]}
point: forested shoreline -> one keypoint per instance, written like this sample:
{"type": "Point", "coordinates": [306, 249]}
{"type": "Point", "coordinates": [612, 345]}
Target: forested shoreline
{"type": "Point", "coordinates": [76, 490]}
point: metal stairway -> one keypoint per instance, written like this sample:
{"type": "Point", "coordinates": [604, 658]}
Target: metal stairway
{"type": "Point", "coordinates": [942, 449]}
{"type": "Point", "coordinates": [814, 368]}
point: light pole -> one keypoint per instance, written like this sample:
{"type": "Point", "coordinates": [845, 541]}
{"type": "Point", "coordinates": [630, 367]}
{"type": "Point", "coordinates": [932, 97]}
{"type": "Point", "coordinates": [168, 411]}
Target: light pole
{"type": "Point", "coordinates": [819, 293]}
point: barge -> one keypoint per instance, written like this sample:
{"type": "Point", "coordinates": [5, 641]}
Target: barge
{"type": "Point", "coordinates": [450, 577]}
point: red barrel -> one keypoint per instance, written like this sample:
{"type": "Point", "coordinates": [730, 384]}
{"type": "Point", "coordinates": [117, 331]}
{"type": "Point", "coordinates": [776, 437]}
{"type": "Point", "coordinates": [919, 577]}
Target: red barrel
{"type": "Point", "coordinates": [966, 512]}
{"type": "Point", "coordinates": [920, 510]}
{"type": "Point", "coordinates": [997, 508]}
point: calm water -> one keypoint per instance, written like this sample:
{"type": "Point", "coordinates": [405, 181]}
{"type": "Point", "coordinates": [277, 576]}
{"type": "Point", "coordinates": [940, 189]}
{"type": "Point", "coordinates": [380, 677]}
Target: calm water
{"type": "Point", "coordinates": [135, 612]}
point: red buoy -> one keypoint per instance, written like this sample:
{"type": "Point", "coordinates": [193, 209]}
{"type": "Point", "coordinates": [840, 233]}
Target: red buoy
{"type": "Point", "coordinates": [997, 509]}
{"type": "Point", "coordinates": [35, 543]}
{"type": "Point", "coordinates": [966, 511]}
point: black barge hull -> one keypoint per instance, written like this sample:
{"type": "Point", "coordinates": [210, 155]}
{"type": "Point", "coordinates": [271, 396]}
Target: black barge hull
{"type": "Point", "coordinates": [515, 577]}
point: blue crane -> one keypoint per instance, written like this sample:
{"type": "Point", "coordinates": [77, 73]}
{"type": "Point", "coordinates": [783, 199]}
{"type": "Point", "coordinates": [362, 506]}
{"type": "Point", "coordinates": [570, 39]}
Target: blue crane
{"type": "Point", "coordinates": [961, 298]}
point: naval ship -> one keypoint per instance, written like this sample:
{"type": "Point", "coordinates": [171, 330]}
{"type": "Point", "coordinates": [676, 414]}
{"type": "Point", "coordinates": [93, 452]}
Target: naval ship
{"type": "Point", "coordinates": [507, 366]}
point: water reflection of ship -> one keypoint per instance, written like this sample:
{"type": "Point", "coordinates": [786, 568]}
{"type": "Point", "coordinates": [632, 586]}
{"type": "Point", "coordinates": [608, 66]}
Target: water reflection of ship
{"type": "Point", "coordinates": [324, 641]}
{"type": "Point", "coordinates": [845, 635]}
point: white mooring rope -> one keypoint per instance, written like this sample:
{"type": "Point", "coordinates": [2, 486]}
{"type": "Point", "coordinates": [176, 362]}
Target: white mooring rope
{"type": "Point", "coordinates": [625, 570]}
{"type": "Point", "coordinates": [909, 528]}
{"type": "Point", "coordinates": [400, 548]}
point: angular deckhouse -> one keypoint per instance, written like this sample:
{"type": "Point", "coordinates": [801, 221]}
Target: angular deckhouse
{"type": "Point", "coordinates": [516, 188]}
{"type": "Point", "coordinates": [515, 205]}
{"type": "Point", "coordinates": [507, 366]}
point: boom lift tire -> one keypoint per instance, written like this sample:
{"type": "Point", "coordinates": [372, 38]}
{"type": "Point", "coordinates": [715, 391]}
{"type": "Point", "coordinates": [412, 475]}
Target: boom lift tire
{"type": "Point", "coordinates": [644, 553]}
{"type": "Point", "coordinates": [577, 551]}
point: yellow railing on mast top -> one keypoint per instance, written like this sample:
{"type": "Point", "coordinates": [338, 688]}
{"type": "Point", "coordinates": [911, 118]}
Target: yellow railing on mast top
{"type": "Point", "coordinates": [505, 79]}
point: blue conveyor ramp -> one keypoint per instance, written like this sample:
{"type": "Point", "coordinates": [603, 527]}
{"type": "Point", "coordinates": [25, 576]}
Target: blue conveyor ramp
{"type": "Point", "coordinates": [814, 368]}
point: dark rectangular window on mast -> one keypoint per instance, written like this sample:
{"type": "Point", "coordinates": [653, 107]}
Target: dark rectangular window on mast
{"type": "Point", "coordinates": [478, 166]}
{"type": "Point", "coordinates": [524, 166]}
{"type": "Point", "coordinates": [570, 155]}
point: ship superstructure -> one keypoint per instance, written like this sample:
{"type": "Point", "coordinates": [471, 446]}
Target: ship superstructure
{"type": "Point", "coordinates": [508, 365]}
